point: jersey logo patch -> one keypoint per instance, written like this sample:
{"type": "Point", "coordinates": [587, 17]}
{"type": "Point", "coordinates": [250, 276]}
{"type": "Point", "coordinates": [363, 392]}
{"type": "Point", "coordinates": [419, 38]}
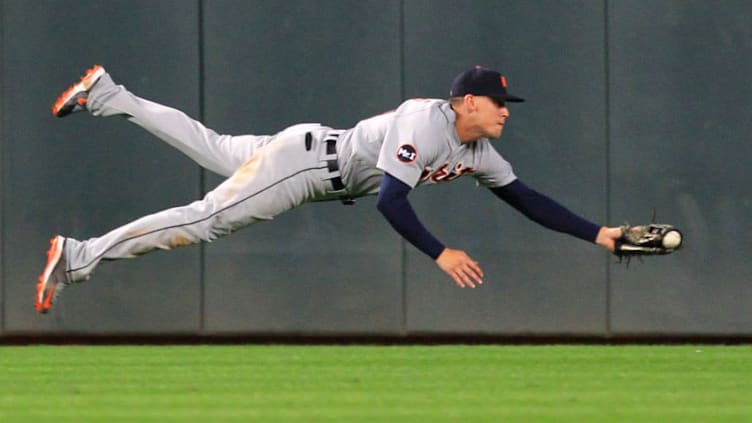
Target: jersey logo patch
{"type": "Point", "coordinates": [407, 153]}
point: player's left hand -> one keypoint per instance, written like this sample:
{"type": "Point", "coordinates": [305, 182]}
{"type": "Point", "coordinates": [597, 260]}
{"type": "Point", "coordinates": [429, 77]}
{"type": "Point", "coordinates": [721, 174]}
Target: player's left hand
{"type": "Point", "coordinates": [464, 270]}
{"type": "Point", "coordinates": [607, 237]}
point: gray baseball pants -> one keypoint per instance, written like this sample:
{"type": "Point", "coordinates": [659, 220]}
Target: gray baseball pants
{"type": "Point", "coordinates": [267, 175]}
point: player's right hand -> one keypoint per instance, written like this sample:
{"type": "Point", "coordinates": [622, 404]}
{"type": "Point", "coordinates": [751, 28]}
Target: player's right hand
{"type": "Point", "coordinates": [464, 270]}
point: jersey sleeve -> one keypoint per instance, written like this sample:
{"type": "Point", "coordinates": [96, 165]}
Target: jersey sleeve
{"type": "Point", "coordinates": [411, 142]}
{"type": "Point", "coordinates": [546, 211]}
{"type": "Point", "coordinates": [493, 170]}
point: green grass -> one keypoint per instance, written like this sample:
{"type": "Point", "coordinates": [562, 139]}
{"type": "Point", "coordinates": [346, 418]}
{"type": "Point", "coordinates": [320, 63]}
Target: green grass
{"type": "Point", "coordinates": [376, 383]}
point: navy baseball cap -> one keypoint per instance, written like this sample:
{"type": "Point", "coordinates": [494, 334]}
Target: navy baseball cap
{"type": "Point", "coordinates": [483, 82]}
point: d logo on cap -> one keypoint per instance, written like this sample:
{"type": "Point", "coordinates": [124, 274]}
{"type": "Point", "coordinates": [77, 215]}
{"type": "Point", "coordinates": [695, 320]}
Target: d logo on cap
{"type": "Point", "coordinates": [482, 82]}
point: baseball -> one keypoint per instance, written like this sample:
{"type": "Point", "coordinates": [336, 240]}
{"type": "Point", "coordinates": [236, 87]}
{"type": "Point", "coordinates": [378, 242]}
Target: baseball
{"type": "Point", "coordinates": [672, 239]}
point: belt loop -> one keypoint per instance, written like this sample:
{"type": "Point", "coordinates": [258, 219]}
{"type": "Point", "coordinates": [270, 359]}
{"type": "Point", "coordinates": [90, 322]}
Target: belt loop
{"type": "Point", "coordinates": [330, 146]}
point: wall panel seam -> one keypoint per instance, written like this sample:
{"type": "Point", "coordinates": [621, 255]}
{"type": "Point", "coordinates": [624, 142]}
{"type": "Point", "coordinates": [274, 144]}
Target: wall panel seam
{"type": "Point", "coordinates": [202, 172]}
{"type": "Point", "coordinates": [607, 150]}
{"type": "Point", "coordinates": [403, 244]}
{"type": "Point", "coordinates": [3, 169]}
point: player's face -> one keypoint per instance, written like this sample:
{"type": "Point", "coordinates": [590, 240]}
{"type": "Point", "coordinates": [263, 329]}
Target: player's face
{"type": "Point", "coordinates": [492, 114]}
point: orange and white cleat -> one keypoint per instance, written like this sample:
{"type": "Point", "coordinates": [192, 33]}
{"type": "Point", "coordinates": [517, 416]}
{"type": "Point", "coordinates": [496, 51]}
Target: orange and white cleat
{"type": "Point", "coordinates": [74, 98]}
{"type": "Point", "coordinates": [52, 280]}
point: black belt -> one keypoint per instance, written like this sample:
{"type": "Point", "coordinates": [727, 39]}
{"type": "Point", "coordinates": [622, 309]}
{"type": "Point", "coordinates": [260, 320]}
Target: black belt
{"type": "Point", "coordinates": [332, 165]}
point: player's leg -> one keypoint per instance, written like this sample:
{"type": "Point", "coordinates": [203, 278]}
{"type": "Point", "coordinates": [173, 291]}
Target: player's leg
{"type": "Point", "coordinates": [102, 97]}
{"type": "Point", "coordinates": [277, 178]}
{"type": "Point", "coordinates": [260, 189]}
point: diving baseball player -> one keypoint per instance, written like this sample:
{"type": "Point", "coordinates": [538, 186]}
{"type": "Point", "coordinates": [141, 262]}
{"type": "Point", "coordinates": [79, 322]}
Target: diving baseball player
{"type": "Point", "coordinates": [423, 141]}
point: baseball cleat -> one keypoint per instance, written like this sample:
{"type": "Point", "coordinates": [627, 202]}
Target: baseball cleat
{"type": "Point", "coordinates": [52, 280]}
{"type": "Point", "coordinates": [74, 98]}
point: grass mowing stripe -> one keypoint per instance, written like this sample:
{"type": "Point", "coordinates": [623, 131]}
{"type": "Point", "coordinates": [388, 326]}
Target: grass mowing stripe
{"type": "Point", "coordinates": [372, 383]}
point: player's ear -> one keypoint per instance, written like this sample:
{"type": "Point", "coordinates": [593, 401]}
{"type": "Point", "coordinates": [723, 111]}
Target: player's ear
{"type": "Point", "coordinates": [469, 101]}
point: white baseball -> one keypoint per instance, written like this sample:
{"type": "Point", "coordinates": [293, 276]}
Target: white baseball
{"type": "Point", "coordinates": [672, 239]}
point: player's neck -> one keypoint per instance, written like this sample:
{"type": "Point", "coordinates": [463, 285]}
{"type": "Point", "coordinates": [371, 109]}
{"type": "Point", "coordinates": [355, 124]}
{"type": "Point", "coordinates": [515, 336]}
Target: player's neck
{"type": "Point", "coordinates": [466, 133]}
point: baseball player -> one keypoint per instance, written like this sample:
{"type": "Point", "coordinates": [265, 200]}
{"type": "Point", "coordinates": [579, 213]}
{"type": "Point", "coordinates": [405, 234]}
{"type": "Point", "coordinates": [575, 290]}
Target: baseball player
{"type": "Point", "coordinates": [423, 141]}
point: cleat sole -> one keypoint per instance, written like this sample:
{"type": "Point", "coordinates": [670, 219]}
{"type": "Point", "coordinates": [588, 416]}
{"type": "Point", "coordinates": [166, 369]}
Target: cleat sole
{"type": "Point", "coordinates": [43, 304]}
{"type": "Point", "coordinates": [63, 105]}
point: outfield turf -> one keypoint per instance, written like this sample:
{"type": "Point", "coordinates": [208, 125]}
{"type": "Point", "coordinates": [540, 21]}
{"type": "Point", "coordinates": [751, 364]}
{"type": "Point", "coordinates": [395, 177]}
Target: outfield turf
{"type": "Point", "coordinates": [376, 383]}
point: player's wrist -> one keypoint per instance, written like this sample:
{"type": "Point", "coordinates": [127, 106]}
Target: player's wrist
{"type": "Point", "coordinates": [607, 237]}
{"type": "Point", "coordinates": [440, 253]}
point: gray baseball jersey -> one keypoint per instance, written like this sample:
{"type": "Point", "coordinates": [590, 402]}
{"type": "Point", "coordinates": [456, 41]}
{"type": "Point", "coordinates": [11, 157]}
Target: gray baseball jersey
{"type": "Point", "coordinates": [417, 144]}
{"type": "Point", "coordinates": [269, 174]}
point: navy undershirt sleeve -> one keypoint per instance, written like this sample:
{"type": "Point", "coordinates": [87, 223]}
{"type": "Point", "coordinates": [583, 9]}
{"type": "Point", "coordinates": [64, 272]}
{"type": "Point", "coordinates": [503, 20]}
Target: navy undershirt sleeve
{"type": "Point", "coordinates": [546, 211]}
{"type": "Point", "coordinates": [392, 203]}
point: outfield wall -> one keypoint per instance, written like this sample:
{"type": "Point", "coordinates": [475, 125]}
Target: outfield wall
{"type": "Point", "coordinates": [631, 106]}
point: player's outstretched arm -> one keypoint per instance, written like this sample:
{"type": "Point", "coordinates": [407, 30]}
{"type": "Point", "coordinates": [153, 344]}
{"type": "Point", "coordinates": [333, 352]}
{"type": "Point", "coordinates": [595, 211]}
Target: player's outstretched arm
{"type": "Point", "coordinates": [549, 213]}
{"type": "Point", "coordinates": [553, 215]}
{"type": "Point", "coordinates": [393, 204]}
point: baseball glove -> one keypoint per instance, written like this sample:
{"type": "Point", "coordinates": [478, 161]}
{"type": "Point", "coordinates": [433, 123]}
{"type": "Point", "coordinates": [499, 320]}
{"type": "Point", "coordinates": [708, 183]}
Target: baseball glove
{"type": "Point", "coordinates": [648, 240]}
